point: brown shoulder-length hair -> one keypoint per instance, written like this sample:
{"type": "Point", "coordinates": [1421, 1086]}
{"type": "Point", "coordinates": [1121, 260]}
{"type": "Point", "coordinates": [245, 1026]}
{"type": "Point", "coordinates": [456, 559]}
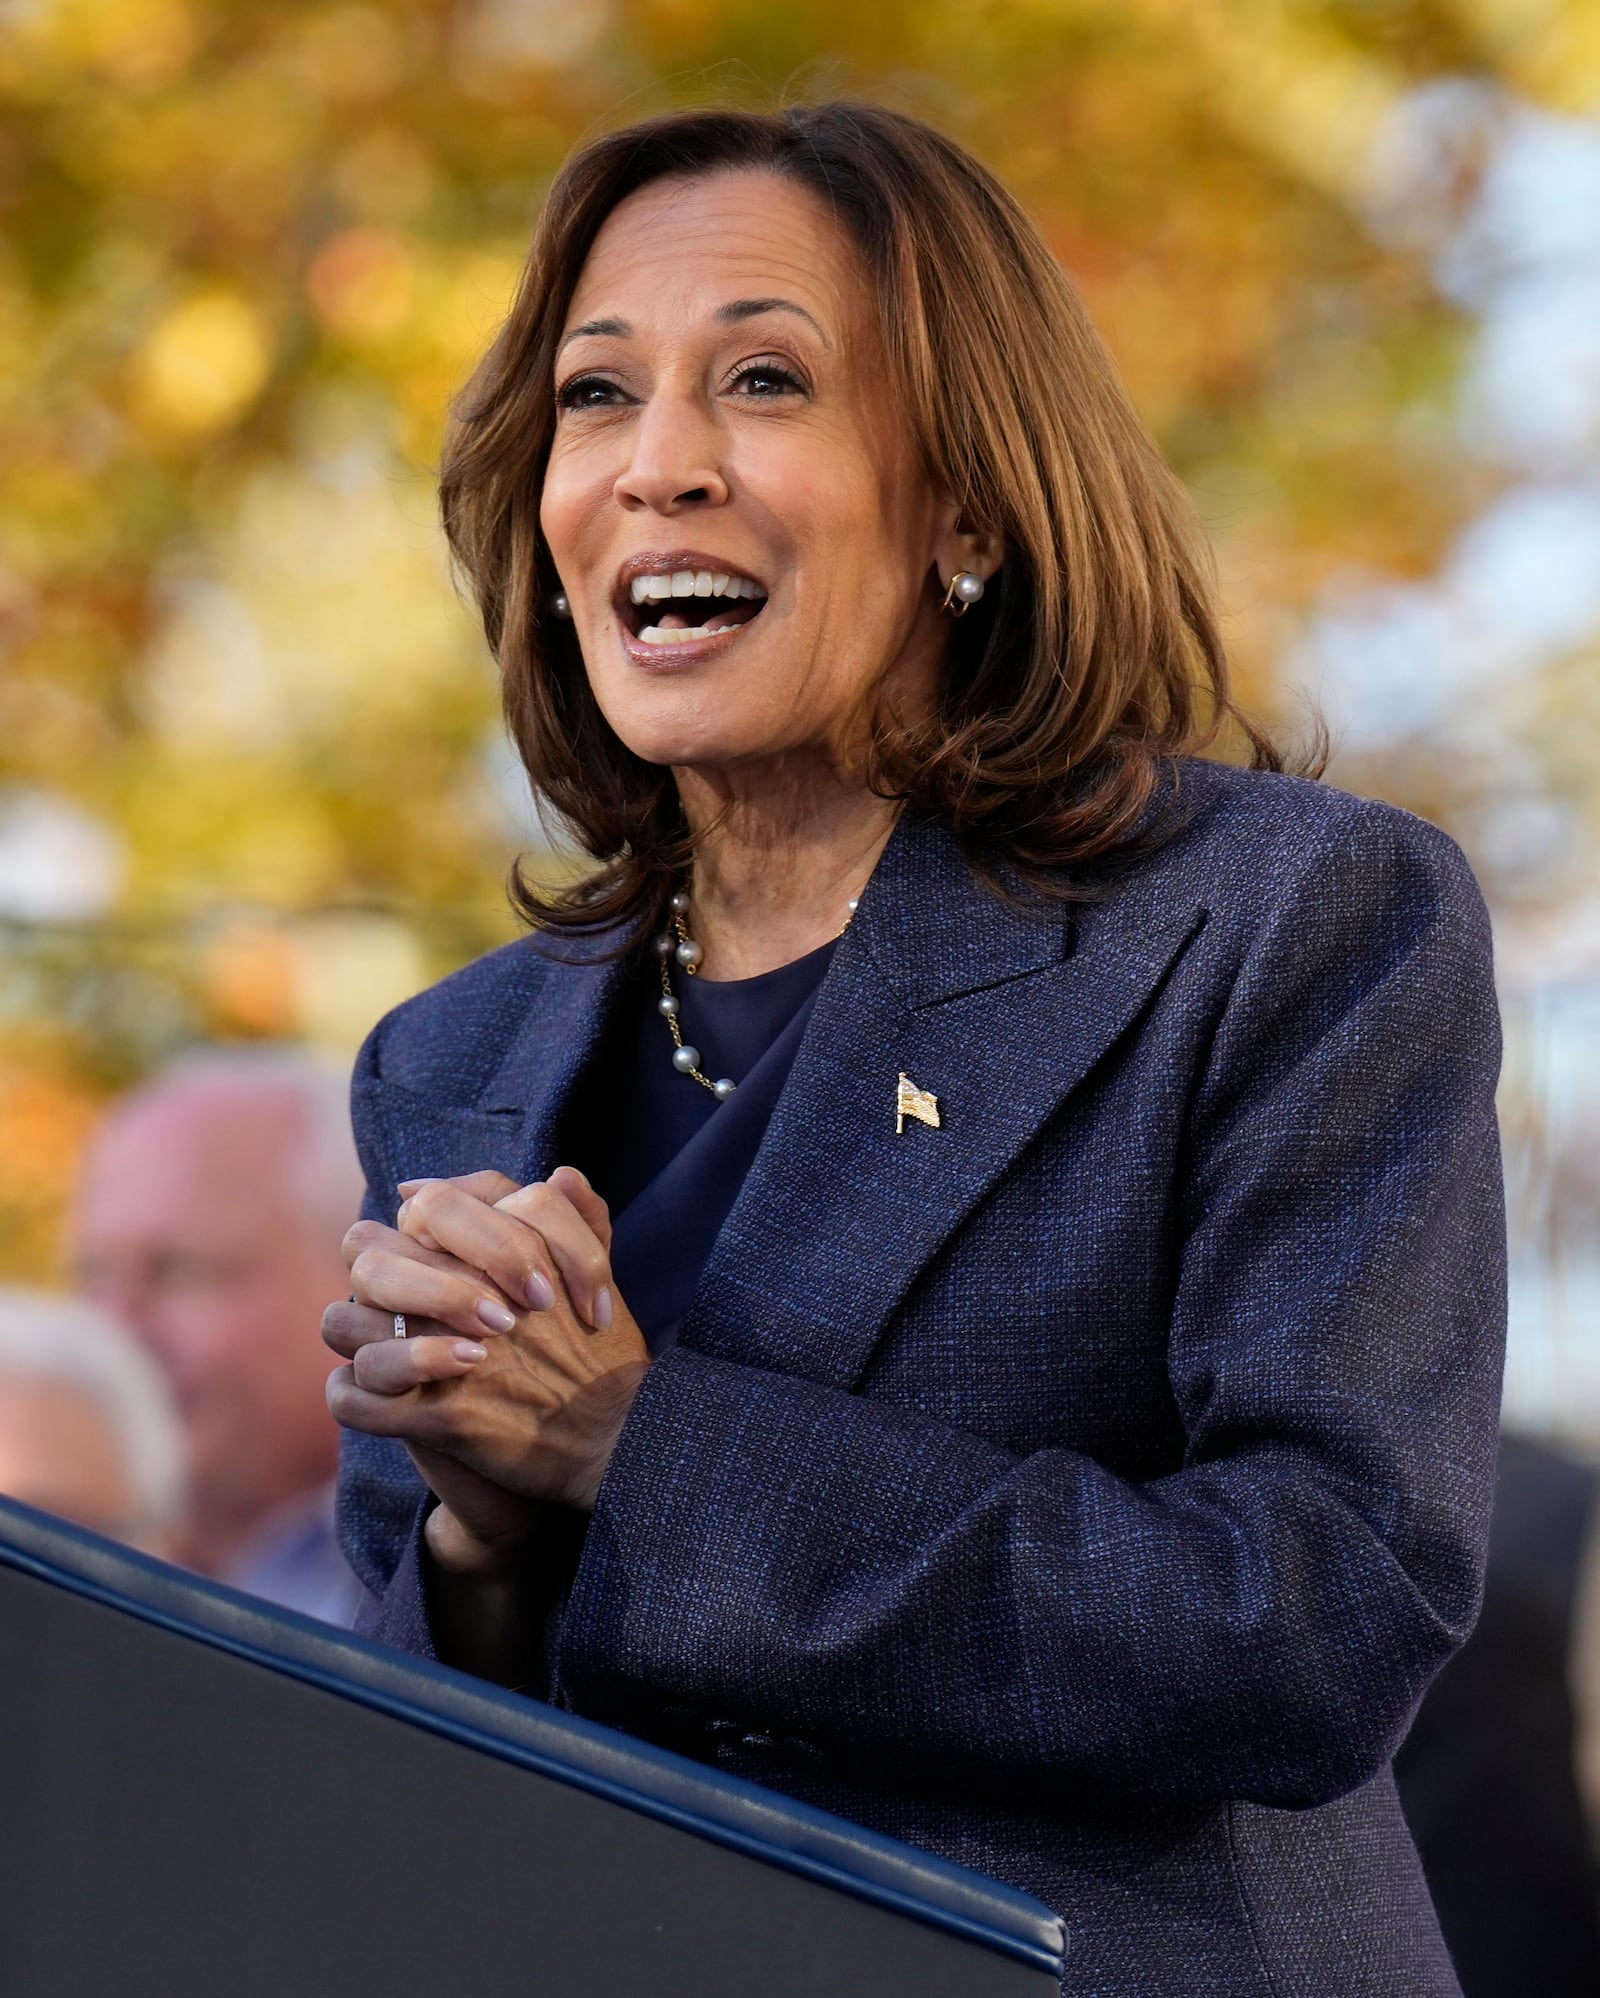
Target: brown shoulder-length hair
{"type": "Point", "coordinates": [1093, 659]}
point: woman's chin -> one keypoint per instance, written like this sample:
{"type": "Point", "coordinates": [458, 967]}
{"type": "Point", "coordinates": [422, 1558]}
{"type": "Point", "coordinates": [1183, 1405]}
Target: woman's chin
{"type": "Point", "coordinates": [700, 750]}
{"type": "Point", "coordinates": [682, 725]}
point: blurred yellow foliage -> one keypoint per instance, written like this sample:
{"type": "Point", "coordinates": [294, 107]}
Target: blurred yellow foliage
{"type": "Point", "coordinates": [247, 976]}
{"type": "Point", "coordinates": [248, 252]}
{"type": "Point", "coordinates": [133, 42]}
{"type": "Point", "coordinates": [46, 1115]}
{"type": "Point", "coordinates": [361, 283]}
{"type": "Point", "coordinates": [200, 366]}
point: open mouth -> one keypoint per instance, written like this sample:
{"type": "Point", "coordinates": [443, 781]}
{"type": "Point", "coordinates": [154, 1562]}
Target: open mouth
{"type": "Point", "coordinates": [666, 607]}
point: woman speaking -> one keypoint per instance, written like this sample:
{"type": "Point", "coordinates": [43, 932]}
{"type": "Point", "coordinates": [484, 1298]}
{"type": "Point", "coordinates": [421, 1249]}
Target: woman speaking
{"type": "Point", "coordinates": [957, 1274]}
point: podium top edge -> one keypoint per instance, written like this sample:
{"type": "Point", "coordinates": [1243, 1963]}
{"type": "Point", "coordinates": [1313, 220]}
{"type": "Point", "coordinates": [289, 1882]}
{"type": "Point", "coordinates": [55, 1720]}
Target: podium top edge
{"type": "Point", "coordinates": [635, 1774]}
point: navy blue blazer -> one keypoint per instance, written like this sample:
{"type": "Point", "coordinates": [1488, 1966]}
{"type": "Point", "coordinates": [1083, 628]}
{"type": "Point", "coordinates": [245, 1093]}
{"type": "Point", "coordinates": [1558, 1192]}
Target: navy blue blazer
{"type": "Point", "coordinates": [1088, 1489]}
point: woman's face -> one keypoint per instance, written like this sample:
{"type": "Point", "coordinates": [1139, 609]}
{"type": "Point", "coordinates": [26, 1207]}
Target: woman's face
{"type": "Point", "coordinates": [734, 501]}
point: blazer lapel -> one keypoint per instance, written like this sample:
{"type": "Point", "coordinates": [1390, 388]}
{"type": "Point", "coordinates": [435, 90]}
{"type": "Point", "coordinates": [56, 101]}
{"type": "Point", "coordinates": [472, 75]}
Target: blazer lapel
{"type": "Point", "coordinates": [999, 1013]}
{"type": "Point", "coordinates": [551, 1019]}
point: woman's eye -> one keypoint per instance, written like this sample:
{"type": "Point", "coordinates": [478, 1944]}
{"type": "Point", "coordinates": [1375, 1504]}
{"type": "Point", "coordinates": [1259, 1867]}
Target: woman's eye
{"type": "Point", "coordinates": [588, 392]}
{"type": "Point", "coordinates": [766, 378]}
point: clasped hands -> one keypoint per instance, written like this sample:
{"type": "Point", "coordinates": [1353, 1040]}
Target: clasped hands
{"type": "Point", "coordinates": [521, 1361]}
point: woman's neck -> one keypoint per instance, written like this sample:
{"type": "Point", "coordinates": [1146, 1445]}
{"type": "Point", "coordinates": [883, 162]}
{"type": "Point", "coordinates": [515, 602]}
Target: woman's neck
{"type": "Point", "coordinates": [777, 864]}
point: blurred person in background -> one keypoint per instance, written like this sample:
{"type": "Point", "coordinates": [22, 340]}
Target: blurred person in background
{"type": "Point", "coordinates": [209, 1222]}
{"type": "Point", "coordinates": [87, 1426]}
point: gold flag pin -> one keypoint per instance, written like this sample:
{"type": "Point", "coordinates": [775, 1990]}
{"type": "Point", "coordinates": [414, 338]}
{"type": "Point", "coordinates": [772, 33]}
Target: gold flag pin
{"type": "Point", "coordinates": [910, 1101]}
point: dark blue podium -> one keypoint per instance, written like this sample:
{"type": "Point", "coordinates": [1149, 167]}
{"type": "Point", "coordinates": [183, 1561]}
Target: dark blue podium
{"type": "Point", "coordinates": [208, 1798]}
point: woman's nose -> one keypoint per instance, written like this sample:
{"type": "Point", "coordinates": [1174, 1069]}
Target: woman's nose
{"type": "Point", "coordinates": [676, 459]}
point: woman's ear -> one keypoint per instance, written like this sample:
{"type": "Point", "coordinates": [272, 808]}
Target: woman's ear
{"type": "Point", "coordinates": [961, 547]}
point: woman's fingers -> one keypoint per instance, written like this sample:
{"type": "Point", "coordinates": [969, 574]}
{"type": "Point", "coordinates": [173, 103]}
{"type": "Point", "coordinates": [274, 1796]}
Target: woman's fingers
{"type": "Point", "coordinates": [363, 1235]}
{"type": "Point", "coordinates": [432, 1287]}
{"type": "Point", "coordinates": [485, 1186]}
{"type": "Point", "coordinates": [579, 1254]}
{"type": "Point", "coordinates": [356, 1407]}
{"type": "Point", "coordinates": [394, 1366]}
{"type": "Point", "coordinates": [511, 1252]}
{"type": "Point", "coordinates": [569, 1182]}
{"type": "Point", "coordinates": [570, 1235]}
{"type": "Point", "coordinates": [347, 1327]}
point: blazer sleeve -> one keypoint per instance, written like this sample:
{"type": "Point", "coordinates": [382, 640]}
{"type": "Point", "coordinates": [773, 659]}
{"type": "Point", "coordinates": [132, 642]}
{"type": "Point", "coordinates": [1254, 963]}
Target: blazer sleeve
{"type": "Point", "coordinates": [383, 1503]}
{"type": "Point", "coordinates": [1260, 1623]}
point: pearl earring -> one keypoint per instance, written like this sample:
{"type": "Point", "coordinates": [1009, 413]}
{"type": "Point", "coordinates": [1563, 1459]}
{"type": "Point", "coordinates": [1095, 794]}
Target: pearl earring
{"type": "Point", "coordinates": [964, 591]}
{"type": "Point", "coordinates": [559, 605]}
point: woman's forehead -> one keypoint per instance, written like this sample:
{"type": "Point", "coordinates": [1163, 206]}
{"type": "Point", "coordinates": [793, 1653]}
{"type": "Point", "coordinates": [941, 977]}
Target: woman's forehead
{"type": "Point", "coordinates": [695, 250]}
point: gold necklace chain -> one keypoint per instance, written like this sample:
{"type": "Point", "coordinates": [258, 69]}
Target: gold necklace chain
{"type": "Point", "coordinates": [678, 944]}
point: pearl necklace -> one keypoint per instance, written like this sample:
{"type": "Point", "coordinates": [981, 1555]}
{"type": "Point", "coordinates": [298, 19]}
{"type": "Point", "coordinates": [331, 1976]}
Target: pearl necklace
{"type": "Point", "coordinates": [677, 943]}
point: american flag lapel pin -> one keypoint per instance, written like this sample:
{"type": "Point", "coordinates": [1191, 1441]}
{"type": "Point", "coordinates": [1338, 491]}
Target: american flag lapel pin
{"type": "Point", "coordinates": [910, 1101]}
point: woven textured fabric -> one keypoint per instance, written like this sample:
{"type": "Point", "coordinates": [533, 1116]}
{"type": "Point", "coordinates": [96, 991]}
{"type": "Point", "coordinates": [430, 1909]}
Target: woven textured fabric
{"type": "Point", "coordinates": [1086, 1489]}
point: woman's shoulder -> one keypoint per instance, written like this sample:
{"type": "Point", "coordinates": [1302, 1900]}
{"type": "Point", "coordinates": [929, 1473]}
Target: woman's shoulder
{"type": "Point", "coordinates": [1253, 838]}
{"type": "Point", "coordinates": [1281, 815]}
{"type": "Point", "coordinates": [449, 1042]}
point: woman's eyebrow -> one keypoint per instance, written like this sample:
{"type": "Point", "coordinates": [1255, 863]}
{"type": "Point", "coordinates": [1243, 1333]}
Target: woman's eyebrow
{"type": "Point", "coordinates": [752, 308]}
{"type": "Point", "coordinates": [731, 314]}
{"type": "Point", "coordinates": [615, 329]}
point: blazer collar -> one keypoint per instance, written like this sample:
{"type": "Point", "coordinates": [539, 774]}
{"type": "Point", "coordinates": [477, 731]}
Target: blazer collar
{"type": "Point", "coordinates": [553, 1012]}
{"type": "Point", "coordinates": [933, 931]}
{"type": "Point", "coordinates": [558, 1028]}
{"type": "Point", "coordinates": [1000, 1012]}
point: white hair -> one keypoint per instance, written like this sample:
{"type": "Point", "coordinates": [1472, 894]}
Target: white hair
{"type": "Point", "coordinates": [72, 1344]}
{"type": "Point", "coordinates": [322, 1173]}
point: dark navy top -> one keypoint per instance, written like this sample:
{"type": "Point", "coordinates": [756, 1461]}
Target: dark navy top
{"type": "Point", "coordinates": [665, 1155]}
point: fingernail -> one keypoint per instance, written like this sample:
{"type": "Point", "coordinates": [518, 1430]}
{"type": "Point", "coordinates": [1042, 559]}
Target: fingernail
{"type": "Point", "coordinates": [468, 1349]}
{"type": "Point", "coordinates": [407, 1187]}
{"type": "Point", "coordinates": [496, 1316]}
{"type": "Point", "coordinates": [602, 1309]}
{"type": "Point", "coordinates": [538, 1292]}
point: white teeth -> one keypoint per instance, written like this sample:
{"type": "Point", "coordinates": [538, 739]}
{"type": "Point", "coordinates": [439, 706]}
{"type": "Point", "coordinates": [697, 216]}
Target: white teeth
{"type": "Point", "coordinates": [654, 634]}
{"type": "Point", "coordinates": [692, 583]}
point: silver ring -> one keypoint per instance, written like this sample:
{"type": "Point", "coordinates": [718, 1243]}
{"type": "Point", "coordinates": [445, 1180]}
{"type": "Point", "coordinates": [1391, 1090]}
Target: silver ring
{"type": "Point", "coordinates": [399, 1325]}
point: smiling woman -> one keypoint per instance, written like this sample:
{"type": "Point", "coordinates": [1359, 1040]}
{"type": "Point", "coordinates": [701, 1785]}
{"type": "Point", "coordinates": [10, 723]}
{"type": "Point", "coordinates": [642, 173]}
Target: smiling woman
{"type": "Point", "coordinates": [958, 1273]}
{"type": "Point", "coordinates": [677, 389]}
{"type": "Point", "coordinates": [843, 314]}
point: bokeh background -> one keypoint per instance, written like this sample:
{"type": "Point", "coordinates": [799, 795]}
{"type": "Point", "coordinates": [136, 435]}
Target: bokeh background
{"type": "Point", "coordinates": [252, 782]}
